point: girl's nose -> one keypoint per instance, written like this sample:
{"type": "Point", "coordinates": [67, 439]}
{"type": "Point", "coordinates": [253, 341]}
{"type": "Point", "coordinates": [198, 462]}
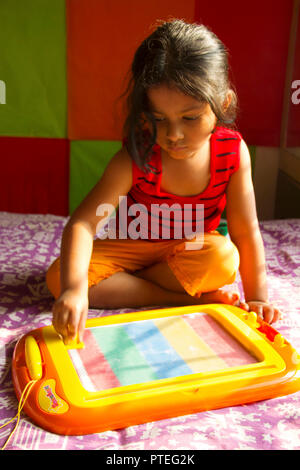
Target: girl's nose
{"type": "Point", "coordinates": [174, 132]}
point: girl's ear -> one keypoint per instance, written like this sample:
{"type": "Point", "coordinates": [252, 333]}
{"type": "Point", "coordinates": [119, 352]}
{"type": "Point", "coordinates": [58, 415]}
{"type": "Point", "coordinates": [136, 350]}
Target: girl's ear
{"type": "Point", "coordinates": [227, 100]}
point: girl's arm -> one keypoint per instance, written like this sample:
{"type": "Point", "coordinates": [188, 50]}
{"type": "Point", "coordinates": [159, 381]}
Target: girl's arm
{"type": "Point", "coordinates": [245, 233]}
{"type": "Point", "coordinates": [70, 309]}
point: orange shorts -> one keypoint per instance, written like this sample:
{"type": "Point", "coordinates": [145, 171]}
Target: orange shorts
{"type": "Point", "coordinates": [198, 270]}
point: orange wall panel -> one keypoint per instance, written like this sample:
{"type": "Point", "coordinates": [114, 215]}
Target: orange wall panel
{"type": "Point", "coordinates": [101, 40]}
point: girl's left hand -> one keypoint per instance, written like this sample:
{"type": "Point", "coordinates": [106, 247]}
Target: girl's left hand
{"type": "Point", "coordinates": [265, 310]}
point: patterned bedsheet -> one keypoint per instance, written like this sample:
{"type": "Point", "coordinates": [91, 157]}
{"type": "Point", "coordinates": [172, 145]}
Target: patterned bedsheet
{"type": "Point", "coordinates": [29, 243]}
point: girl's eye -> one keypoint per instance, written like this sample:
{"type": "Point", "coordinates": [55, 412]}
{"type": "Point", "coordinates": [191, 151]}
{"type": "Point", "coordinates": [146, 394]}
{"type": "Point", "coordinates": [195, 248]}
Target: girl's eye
{"type": "Point", "coordinates": [185, 118]}
{"type": "Point", "coordinates": [190, 118]}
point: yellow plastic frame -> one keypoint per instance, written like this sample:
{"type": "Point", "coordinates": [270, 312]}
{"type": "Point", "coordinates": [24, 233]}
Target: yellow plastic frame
{"type": "Point", "coordinates": [276, 373]}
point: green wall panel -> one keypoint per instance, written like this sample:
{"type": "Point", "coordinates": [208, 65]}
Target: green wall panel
{"type": "Point", "coordinates": [88, 159]}
{"type": "Point", "coordinates": [33, 68]}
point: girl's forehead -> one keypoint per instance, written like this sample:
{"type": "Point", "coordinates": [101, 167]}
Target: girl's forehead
{"type": "Point", "coordinates": [164, 97]}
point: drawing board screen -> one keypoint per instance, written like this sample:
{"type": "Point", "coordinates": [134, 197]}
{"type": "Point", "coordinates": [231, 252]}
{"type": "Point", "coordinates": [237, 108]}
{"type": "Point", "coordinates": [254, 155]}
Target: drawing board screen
{"type": "Point", "coordinates": [147, 350]}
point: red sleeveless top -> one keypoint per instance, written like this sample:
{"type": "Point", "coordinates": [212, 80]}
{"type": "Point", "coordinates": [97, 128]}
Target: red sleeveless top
{"type": "Point", "coordinates": [152, 214]}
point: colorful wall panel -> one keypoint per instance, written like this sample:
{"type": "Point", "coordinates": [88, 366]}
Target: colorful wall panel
{"type": "Point", "coordinates": [102, 39]}
{"type": "Point", "coordinates": [257, 36]}
{"type": "Point", "coordinates": [63, 66]}
{"type": "Point", "coordinates": [293, 134]}
{"type": "Point", "coordinates": [33, 121]}
{"type": "Point", "coordinates": [33, 67]}
{"type": "Point", "coordinates": [34, 175]}
{"type": "Point", "coordinates": [88, 159]}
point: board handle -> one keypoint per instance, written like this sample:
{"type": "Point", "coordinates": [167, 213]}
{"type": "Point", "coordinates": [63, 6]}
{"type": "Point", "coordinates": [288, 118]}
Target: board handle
{"type": "Point", "coordinates": [33, 358]}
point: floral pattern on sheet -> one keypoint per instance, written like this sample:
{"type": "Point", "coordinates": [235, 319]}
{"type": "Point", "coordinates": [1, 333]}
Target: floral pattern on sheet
{"type": "Point", "coordinates": [29, 243]}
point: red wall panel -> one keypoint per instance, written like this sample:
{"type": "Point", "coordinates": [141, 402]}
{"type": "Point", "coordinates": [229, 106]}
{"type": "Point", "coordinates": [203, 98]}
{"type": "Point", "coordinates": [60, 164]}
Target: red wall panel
{"type": "Point", "coordinates": [293, 134]}
{"type": "Point", "coordinates": [34, 175]}
{"type": "Point", "coordinates": [257, 35]}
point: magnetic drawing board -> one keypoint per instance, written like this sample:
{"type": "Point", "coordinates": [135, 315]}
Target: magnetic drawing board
{"type": "Point", "coordinates": [143, 366]}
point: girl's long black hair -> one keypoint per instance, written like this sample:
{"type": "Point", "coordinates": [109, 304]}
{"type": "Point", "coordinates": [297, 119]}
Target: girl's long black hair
{"type": "Point", "coordinates": [188, 57]}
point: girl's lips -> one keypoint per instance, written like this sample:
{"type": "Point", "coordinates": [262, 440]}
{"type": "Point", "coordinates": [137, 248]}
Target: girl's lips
{"type": "Point", "coordinates": [176, 148]}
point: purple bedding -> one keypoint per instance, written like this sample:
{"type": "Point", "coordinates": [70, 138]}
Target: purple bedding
{"type": "Point", "coordinates": [29, 243]}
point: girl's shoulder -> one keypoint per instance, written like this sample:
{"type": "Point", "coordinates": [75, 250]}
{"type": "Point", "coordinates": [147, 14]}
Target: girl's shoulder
{"type": "Point", "coordinates": [223, 134]}
{"type": "Point", "coordinates": [153, 162]}
{"type": "Point", "coordinates": [226, 149]}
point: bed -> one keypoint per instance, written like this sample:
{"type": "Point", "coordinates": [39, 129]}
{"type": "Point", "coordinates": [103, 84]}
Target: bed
{"type": "Point", "coordinates": [29, 243]}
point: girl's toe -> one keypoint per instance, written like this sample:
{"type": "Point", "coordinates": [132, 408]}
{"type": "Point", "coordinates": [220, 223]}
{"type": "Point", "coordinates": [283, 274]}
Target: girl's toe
{"type": "Point", "coordinates": [233, 298]}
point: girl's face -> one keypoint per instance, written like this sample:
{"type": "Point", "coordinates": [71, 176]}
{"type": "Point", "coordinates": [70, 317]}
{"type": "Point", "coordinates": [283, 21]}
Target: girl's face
{"type": "Point", "coordinates": [184, 124]}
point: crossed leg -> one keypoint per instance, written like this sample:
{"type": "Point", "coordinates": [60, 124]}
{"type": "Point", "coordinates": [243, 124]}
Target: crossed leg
{"type": "Point", "coordinates": [155, 285]}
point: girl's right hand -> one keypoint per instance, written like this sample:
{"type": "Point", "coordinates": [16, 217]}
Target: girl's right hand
{"type": "Point", "coordinates": [70, 313]}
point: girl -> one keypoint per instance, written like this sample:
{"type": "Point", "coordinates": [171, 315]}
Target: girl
{"type": "Point", "coordinates": [179, 153]}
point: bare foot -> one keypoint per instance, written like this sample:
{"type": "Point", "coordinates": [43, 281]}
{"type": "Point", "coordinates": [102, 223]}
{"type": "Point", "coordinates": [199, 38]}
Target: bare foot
{"type": "Point", "coordinates": [220, 296]}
